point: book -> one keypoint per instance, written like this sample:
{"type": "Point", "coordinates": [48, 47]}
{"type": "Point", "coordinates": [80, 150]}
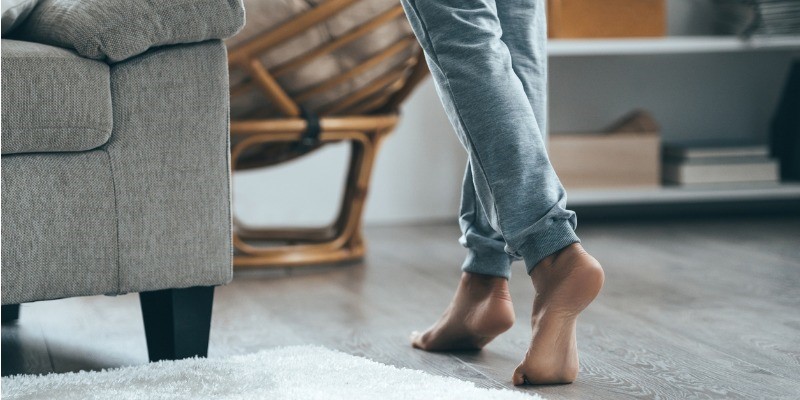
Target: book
{"type": "Point", "coordinates": [757, 17]}
{"type": "Point", "coordinates": [728, 160]}
{"type": "Point", "coordinates": [765, 170]}
{"type": "Point", "coordinates": [714, 149]}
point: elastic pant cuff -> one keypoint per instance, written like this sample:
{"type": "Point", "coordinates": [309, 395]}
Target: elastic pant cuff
{"type": "Point", "coordinates": [491, 263]}
{"type": "Point", "coordinates": [558, 235]}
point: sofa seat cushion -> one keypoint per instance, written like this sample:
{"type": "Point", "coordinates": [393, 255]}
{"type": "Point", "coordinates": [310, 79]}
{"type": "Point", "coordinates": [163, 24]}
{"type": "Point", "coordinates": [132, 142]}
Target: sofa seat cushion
{"type": "Point", "coordinates": [59, 226]}
{"type": "Point", "coordinates": [53, 100]}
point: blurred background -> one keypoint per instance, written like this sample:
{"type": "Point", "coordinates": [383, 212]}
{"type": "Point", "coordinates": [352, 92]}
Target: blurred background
{"type": "Point", "coordinates": [694, 73]}
{"type": "Point", "coordinates": [657, 108]}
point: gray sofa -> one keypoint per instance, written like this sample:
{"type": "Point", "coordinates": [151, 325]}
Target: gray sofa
{"type": "Point", "coordinates": [115, 174]}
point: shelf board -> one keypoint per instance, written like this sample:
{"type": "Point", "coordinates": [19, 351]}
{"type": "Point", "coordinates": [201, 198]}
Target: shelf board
{"type": "Point", "coordinates": [669, 45]}
{"type": "Point", "coordinates": [685, 195]}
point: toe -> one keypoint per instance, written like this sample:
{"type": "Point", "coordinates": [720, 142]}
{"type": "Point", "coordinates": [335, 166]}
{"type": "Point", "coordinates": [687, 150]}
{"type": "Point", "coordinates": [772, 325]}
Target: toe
{"type": "Point", "coordinates": [518, 378]}
{"type": "Point", "coordinates": [416, 340]}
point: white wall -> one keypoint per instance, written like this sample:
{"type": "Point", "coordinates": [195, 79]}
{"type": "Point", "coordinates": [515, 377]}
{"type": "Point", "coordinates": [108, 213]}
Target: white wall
{"type": "Point", "coordinates": [417, 176]}
{"type": "Point", "coordinates": [727, 95]}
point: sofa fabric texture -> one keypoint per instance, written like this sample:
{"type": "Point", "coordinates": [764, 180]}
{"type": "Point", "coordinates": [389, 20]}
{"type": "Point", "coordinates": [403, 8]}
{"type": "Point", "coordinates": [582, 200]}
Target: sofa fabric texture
{"type": "Point", "coordinates": [169, 153]}
{"type": "Point", "coordinates": [147, 210]}
{"type": "Point", "coordinates": [59, 226]}
{"type": "Point", "coordinates": [115, 30]}
{"type": "Point", "coordinates": [53, 100]}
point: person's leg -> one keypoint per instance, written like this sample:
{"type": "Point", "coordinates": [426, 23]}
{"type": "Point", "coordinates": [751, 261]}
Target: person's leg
{"type": "Point", "coordinates": [524, 32]}
{"type": "Point", "coordinates": [523, 200]}
{"type": "Point", "coordinates": [487, 104]}
{"type": "Point", "coordinates": [570, 279]}
{"type": "Point", "coordinates": [481, 308]}
{"type": "Point", "coordinates": [486, 253]}
{"type": "Point", "coordinates": [524, 25]}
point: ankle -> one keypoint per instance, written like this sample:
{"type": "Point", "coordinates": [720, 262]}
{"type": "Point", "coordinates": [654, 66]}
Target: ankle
{"type": "Point", "coordinates": [485, 284]}
{"type": "Point", "coordinates": [563, 263]}
{"type": "Point", "coordinates": [489, 281]}
{"type": "Point", "coordinates": [571, 249]}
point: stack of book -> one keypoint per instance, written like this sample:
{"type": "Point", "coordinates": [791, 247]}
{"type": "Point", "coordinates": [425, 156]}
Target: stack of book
{"type": "Point", "coordinates": [718, 162]}
{"type": "Point", "coordinates": [758, 17]}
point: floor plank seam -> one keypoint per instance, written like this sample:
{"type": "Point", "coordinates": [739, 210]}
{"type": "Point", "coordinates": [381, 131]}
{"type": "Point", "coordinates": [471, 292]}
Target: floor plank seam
{"type": "Point", "coordinates": [470, 366]}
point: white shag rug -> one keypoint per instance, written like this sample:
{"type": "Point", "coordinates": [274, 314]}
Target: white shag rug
{"type": "Point", "coordinates": [298, 372]}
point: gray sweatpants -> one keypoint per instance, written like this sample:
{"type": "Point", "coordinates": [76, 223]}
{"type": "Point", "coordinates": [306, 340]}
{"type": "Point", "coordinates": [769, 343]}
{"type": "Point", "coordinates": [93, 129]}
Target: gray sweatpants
{"type": "Point", "coordinates": [489, 62]}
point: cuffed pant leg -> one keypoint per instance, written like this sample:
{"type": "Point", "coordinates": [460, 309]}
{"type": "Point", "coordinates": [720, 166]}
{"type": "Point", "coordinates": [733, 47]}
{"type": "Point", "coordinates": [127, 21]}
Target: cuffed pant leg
{"type": "Point", "coordinates": [486, 253]}
{"type": "Point", "coordinates": [524, 25]}
{"type": "Point", "coordinates": [489, 108]}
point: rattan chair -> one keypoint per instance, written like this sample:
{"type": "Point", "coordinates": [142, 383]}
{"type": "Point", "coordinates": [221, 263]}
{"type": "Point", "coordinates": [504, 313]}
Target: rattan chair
{"type": "Point", "coordinates": [293, 122]}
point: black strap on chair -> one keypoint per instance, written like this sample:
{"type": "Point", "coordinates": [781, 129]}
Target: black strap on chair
{"type": "Point", "coordinates": [310, 137]}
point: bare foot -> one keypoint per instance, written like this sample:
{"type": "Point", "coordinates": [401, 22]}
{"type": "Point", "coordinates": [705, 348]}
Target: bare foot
{"type": "Point", "coordinates": [565, 282]}
{"type": "Point", "coordinates": [480, 310]}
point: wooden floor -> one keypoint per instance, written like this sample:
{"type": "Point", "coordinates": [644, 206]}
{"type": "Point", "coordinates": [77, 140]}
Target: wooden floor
{"type": "Point", "coordinates": [691, 309]}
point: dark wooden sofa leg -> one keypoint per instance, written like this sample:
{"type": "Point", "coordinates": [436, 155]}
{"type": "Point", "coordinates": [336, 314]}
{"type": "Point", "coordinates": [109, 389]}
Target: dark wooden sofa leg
{"type": "Point", "coordinates": [10, 313]}
{"type": "Point", "coordinates": [177, 322]}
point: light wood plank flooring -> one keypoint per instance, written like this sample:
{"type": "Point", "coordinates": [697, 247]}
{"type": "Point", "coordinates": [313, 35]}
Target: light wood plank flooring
{"type": "Point", "coordinates": [691, 309]}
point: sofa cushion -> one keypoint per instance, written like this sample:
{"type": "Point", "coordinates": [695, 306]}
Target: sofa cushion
{"type": "Point", "coordinates": [59, 226]}
{"type": "Point", "coordinates": [264, 16]}
{"type": "Point", "coordinates": [115, 30]}
{"type": "Point", "coordinates": [14, 12]}
{"type": "Point", "coordinates": [53, 100]}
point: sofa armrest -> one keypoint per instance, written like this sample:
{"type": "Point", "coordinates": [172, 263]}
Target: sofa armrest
{"type": "Point", "coordinates": [115, 30]}
{"type": "Point", "coordinates": [169, 159]}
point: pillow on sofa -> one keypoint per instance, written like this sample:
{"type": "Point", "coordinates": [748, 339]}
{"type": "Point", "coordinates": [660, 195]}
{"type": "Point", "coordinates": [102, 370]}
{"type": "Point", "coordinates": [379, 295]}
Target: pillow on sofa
{"type": "Point", "coordinates": [14, 12]}
{"type": "Point", "coordinates": [265, 15]}
{"type": "Point", "coordinates": [115, 30]}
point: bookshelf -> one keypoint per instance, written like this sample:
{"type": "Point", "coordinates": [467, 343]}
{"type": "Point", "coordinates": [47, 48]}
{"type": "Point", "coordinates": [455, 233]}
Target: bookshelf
{"type": "Point", "coordinates": [669, 45]}
{"type": "Point", "coordinates": [593, 63]}
{"type": "Point", "coordinates": [675, 194]}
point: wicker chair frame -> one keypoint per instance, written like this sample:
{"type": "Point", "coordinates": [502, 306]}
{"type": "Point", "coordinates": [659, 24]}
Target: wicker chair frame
{"type": "Point", "coordinates": [363, 118]}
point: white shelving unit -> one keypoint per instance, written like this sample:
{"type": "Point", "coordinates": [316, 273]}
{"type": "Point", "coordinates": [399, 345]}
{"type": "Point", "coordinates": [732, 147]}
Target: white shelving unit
{"type": "Point", "coordinates": [669, 45]}
{"type": "Point", "coordinates": [674, 194]}
{"type": "Point", "coordinates": [679, 46]}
